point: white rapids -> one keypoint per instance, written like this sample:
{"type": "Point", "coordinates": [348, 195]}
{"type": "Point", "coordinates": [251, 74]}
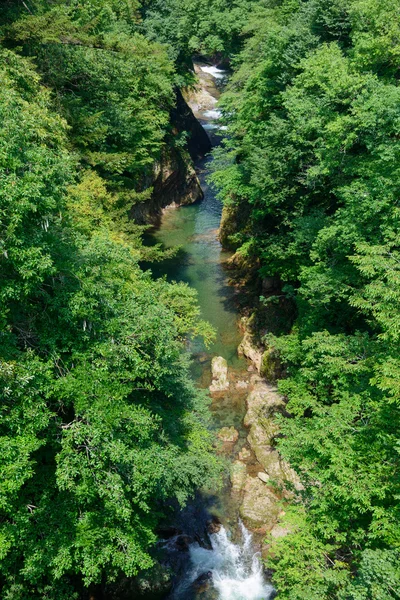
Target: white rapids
{"type": "Point", "coordinates": [214, 113]}
{"type": "Point", "coordinates": [214, 71]}
{"type": "Point", "coordinates": [235, 569]}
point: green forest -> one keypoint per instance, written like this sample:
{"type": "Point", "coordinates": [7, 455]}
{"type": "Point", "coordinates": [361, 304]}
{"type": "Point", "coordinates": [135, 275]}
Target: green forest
{"type": "Point", "coordinates": [311, 184]}
{"type": "Point", "coordinates": [102, 427]}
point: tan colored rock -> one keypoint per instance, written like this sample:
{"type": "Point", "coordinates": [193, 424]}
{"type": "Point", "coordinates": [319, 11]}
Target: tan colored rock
{"type": "Point", "coordinates": [263, 476]}
{"type": "Point", "coordinates": [260, 507]}
{"type": "Point", "coordinates": [262, 404]}
{"type": "Point", "coordinates": [279, 531]}
{"type": "Point", "coordinates": [241, 385]}
{"type": "Point", "coordinates": [249, 349]}
{"type": "Point", "coordinates": [228, 434]}
{"type": "Point", "coordinates": [238, 476]}
{"type": "Point", "coordinates": [244, 454]}
{"type": "Point", "coordinates": [219, 368]}
{"type": "Point", "coordinates": [262, 401]}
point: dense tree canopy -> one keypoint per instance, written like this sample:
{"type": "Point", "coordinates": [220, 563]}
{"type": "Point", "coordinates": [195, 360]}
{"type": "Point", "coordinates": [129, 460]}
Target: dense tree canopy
{"type": "Point", "coordinates": [100, 422]}
{"type": "Point", "coordinates": [310, 178]}
{"type": "Point", "coordinates": [101, 425]}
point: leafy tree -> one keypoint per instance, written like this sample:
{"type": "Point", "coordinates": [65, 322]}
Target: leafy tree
{"type": "Point", "coordinates": [309, 178]}
{"type": "Point", "coordinates": [101, 425]}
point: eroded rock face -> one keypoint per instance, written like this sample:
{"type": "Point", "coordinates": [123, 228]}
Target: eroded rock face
{"type": "Point", "coordinates": [260, 509]}
{"type": "Point", "coordinates": [174, 181]}
{"type": "Point", "coordinates": [228, 434]}
{"type": "Point", "coordinates": [219, 368]}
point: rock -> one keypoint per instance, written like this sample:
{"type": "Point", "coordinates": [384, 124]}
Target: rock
{"type": "Point", "coordinates": [270, 284]}
{"type": "Point", "coordinates": [249, 349]}
{"type": "Point", "coordinates": [260, 507]}
{"type": "Point", "coordinates": [182, 116]}
{"type": "Point", "coordinates": [263, 476]}
{"type": "Point", "coordinates": [183, 542]}
{"type": "Point", "coordinates": [202, 583]}
{"type": "Point", "coordinates": [153, 584]}
{"type": "Point", "coordinates": [271, 367]}
{"type": "Point", "coordinates": [238, 475]}
{"type": "Point", "coordinates": [174, 182]}
{"type": "Point", "coordinates": [262, 404]}
{"type": "Point", "coordinates": [166, 533]}
{"type": "Point", "coordinates": [241, 385]}
{"type": "Point", "coordinates": [262, 401]}
{"type": "Point", "coordinates": [244, 454]}
{"type": "Point", "coordinates": [219, 368]}
{"type": "Point", "coordinates": [228, 434]}
{"type": "Point", "coordinates": [279, 531]}
{"type": "Point", "coordinates": [213, 526]}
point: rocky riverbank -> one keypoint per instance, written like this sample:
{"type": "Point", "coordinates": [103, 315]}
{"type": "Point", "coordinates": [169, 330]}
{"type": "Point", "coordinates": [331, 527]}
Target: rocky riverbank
{"type": "Point", "coordinates": [261, 481]}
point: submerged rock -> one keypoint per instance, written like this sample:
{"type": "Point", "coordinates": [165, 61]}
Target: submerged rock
{"type": "Point", "coordinates": [214, 525]}
{"type": "Point", "coordinates": [260, 509]}
{"type": "Point", "coordinates": [244, 454]}
{"type": "Point", "coordinates": [183, 542]}
{"type": "Point", "coordinates": [238, 476]}
{"type": "Point", "coordinates": [228, 434]}
{"type": "Point", "coordinates": [219, 368]}
{"type": "Point", "coordinates": [201, 583]}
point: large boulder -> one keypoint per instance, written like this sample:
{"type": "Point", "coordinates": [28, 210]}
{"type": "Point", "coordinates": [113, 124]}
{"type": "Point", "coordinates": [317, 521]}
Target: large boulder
{"type": "Point", "coordinates": [262, 404]}
{"type": "Point", "coordinates": [219, 368]}
{"type": "Point", "coordinates": [250, 350]}
{"type": "Point", "coordinates": [260, 507]}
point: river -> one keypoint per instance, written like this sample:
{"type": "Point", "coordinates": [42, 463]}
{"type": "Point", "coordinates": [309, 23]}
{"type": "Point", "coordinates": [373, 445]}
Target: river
{"type": "Point", "coordinates": [224, 563]}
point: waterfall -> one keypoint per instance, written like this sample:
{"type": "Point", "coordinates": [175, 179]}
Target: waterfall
{"type": "Point", "coordinates": [234, 571]}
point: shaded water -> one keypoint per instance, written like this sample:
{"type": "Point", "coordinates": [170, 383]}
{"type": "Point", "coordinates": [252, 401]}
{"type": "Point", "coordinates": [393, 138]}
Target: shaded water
{"type": "Point", "coordinates": [200, 264]}
{"type": "Point", "coordinates": [225, 564]}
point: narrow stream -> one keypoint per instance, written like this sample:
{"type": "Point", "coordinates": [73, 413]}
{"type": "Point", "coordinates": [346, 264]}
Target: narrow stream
{"type": "Point", "coordinates": [223, 564]}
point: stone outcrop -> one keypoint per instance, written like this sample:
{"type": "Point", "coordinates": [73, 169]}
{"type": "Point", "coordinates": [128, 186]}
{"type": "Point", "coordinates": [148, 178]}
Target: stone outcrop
{"type": "Point", "coordinates": [198, 142]}
{"type": "Point", "coordinates": [219, 368]}
{"type": "Point", "coordinates": [174, 182]}
{"type": "Point", "coordinates": [174, 179]}
{"type": "Point", "coordinates": [250, 350]}
{"type": "Point", "coordinates": [204, 96]}
{"type": "Point", "coordinates": [260, 507]}
{"type": "Point", "coordinates": [262, 404]}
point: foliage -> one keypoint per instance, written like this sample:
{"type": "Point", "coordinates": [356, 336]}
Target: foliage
{"type": "Point", "coordinates": [309, 175]}
{"type": "Point", "coordinates": [191, 27]}
{"type": "Point", "coordinates": [101, 425]}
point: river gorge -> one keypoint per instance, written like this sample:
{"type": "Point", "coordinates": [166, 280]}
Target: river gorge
{"type": "Point", "coordinates": [210, 549]}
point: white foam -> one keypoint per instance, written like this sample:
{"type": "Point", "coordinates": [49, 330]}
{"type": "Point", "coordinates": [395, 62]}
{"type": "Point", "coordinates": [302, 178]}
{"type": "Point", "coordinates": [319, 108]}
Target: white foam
{"type": "Point", "coordinates": [236, 570]}
{"type": "Point", "coordinates": [214, 71]}
{"type": "Point", "coordinates": [214, 113]}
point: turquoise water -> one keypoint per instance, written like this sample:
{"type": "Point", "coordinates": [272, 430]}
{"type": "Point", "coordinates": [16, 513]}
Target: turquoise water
{"type": "Point", "coordinates": [200, 263]}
